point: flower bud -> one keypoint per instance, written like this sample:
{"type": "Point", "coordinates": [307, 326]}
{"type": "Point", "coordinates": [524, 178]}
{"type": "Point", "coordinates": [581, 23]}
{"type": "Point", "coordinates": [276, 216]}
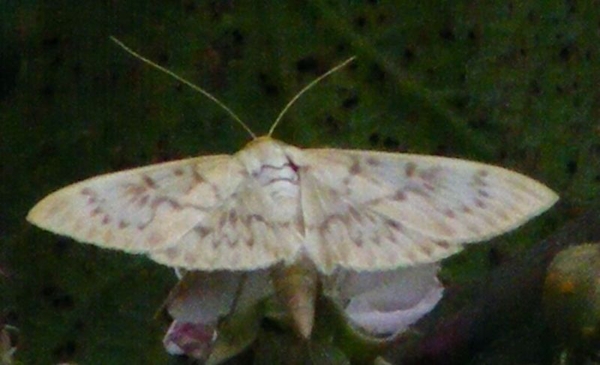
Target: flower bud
{"type": "Point", "coordinates": [572, 298]}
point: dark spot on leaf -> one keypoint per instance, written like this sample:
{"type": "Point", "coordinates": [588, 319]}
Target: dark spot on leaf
{"type": "Point", "coordinates": [307, 64]}
{"type": "Point", "coordinates": [572, 167]}
{"type": "Point", "coordinates": [566, 53]}
{"type": "Point", "coordinates": [534, 87]}
{"type": "Point", "coordinates": [65, 352]}
{"type": "Point", "coordinates": [50, 41]}
{"type": "Point", "coordinates": [374, 139]}
{"type": "Point", "coordinates": [409, 55]}
{"type": "Point", "coordinates": [47, 91]}
{"type": "Point", "coordinates": [162, 58]}
{"type": "Point", "coordinates": [350, 102]}
{"type": "Point", "coordinates": [391, 143]}
{"type": "Point", "coordinates": [269, 88]}
{"type": "Point", "coordinates": [360, 21]}
{"type": "Point", "coordinates": [447, 34]}
{"type": "Point", "coordinates": [377, 73]}
{"type": "Point", "coordinates": [471, 35]}
{"type": "Point", "coordinates": [238, 37]}
{"type": "Point", "coordinates": [57, 297]}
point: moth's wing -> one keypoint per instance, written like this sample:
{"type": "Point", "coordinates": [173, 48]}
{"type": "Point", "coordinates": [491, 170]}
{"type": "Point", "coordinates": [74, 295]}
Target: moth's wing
{"type": "Point", "coordinates": [246, 232]}
{"type": "Point", "coordinates": [140, 209]}
{"type": "Point", "coordinates": [372, 210]}
{"type": "Point", "coordinates": [155, 208]}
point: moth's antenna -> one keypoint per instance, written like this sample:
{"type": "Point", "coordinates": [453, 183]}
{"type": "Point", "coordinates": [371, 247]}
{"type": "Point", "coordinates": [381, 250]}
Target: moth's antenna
{"type": "Point", "coordinates": [181, 79]}
{"type": "Point", "coordinates": [311, 84]}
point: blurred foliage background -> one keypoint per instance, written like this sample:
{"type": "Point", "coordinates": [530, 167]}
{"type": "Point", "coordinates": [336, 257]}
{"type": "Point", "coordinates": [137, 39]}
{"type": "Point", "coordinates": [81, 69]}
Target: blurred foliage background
{"type": "Point", "coordinates": [513, 83]}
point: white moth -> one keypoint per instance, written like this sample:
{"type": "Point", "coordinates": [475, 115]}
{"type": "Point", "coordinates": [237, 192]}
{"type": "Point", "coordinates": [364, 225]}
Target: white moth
{"type": "Point", "coordinates": [275, 203]}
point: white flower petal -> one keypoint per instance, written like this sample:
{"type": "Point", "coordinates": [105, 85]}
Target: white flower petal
{"type": "Point", "coordinates": [204, 297]}
{"type": "Point", "coordinates": [394, 321]}
{"type": "Point", "coordinates": [387, 302]}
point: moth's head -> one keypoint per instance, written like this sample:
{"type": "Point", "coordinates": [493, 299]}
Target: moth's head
{"type": "Point", "coordinates": [264, 143]}
{"type": "Point", "coordinates": [263, 151]}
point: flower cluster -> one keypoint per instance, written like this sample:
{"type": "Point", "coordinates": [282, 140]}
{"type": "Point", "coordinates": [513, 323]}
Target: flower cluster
{"type": "Point", "coordinates": [377, 304]}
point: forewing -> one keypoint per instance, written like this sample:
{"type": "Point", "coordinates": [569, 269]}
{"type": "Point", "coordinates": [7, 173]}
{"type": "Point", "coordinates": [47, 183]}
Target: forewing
{"type": "Point", "coordinates": [371, 210]}
{"type": "Point", "coordinates": [141, 209]}
{"type": "Point", "coordinates": [201, 213]}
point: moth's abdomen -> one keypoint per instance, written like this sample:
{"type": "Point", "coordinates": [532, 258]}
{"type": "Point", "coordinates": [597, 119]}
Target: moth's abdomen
{"type": "Point", "coordinates": [296, 287]}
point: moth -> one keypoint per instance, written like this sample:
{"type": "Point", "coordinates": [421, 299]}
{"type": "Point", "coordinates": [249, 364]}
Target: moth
{"type": "Point", "coordinates": [272, 203]}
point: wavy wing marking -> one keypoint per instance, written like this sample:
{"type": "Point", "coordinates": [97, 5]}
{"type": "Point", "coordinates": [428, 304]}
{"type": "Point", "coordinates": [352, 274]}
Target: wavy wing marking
{"type": "Point", "coordinates": [201, 213]}
{"type": "Point", "coordinates": [371, 210]}
{"type": "Point", "coordinates": [248, 231]}
{"type": "Point", "coordinates": [140, 209]}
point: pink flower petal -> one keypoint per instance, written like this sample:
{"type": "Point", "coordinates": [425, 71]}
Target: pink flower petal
{"type": "Point", "coordinates": [192, 339]}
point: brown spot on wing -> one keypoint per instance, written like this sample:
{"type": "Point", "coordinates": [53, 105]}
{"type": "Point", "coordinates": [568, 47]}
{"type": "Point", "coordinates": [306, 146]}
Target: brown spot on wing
{"type": "Point", "coordinates": [197, 177]}
{"type": "Point", "coordinates": [425, 249]}
{"type": "Point", "coordinates": [149, 182]}
{"type": "Point", "coordinates": [443, 244]}
{"type": "Point", "coordinates": [449, 213]}
{"type": "Point", "coordinates": [483, 193]}
{"type": "Point", "coordinates": [155, 238]}
{"type": "Point", "coordinates": [202, 231]}
{"type": "Point", "coordinates": [355, 168]}
{"type": "Point", "coordinates": [106, 219]}
{"type": "Point", "coordinates": [222, 221]}
{"type": "Point", "coordinates": [410, 255]}
{"type": "Point", "coordinates": [479, 203]}
{"type": "Point", "coordinates": [255, 218]}
{"type": "Point", "coordinates": [396, 226]}
{"type": "Point", "coordinates": [372, 161]}
{"type": "Point", "coordinates": [231, 243]}
{"type": "Point", "coordinates": [358, 242]}
{"type": "Point", "coordinates": [143, 201]}
{"type": "Point", "coordinates": [409, 169]}
{"type": "Point", "coordinates": [172, 253]}
{"type": "Point", "coordinates": [233, 217]}
{"type": "Point", "coordinates": [399, 196]}
{"type": "Point", "coordinates": [189, 258]}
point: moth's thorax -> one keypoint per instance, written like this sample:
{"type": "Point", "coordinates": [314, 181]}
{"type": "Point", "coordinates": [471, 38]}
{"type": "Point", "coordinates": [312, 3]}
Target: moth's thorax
{"type": "Point", "coordinates": [270, 162]}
